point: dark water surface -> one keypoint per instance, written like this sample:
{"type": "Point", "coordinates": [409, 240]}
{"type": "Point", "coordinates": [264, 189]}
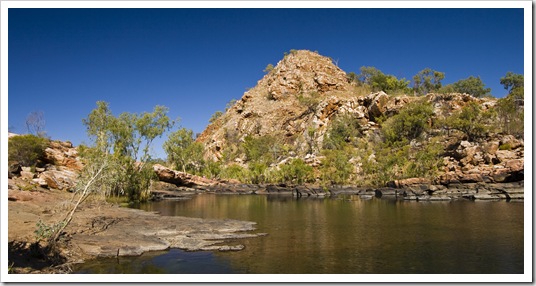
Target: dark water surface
{"type": "Point", "coordinates": [344, 235]}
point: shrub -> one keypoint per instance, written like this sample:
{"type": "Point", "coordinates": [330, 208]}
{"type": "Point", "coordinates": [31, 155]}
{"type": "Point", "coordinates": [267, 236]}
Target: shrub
{"type": "Point", "coordinates": [379, 81]}
{"type": "Point", "coordinates": [343, 131]}
{"type": "Point", "coordinates": [296, 172]}
{"type": "Point", "coordinates": [215, 116]}
{"type": "Point", "coordinates": [409, 124]}
{"type": "Point", "coordinates": [505, 146]}
{"type": "Point", "coordinates": [471, 85]}
{"type": "Point", "coordinates": [510, 112]}
{"type": "Point", "coordinates": [336, 168]}
{"type": "Point", "coordinates": [264, 149]}
{"type": "Point", "coordinates": [235, 171]}
{"type": "Point", "coordinates": [471, 120]}
{"type": "Point", "coordinates": [268, 68]}
{"type": "Point", "coordinates": [26, 149]}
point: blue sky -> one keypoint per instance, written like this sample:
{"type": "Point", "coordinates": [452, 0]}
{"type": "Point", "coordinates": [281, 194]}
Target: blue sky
{"type": "Point", "coordinates": [61, 61]}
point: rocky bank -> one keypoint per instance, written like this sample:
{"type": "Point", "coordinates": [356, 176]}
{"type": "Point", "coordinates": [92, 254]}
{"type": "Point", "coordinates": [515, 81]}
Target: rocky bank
{"type": "Point", "coordinates": [98, 229]}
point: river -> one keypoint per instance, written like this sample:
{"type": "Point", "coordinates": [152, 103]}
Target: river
{"type": "Point", "coordinates": [345, 234]}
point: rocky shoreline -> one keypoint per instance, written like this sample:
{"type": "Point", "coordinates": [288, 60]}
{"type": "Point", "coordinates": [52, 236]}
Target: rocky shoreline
{"type": "Point", "coordinates": [102, 229]}
{"type": "Point", "coordinates": [474, 172]}
{"type": "Point", "coordinates": [177, 185]}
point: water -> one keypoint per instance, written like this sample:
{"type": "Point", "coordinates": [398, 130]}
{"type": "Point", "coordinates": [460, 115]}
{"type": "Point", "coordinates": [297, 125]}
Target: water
{"type": "Point", "coordinates": [344, 235]}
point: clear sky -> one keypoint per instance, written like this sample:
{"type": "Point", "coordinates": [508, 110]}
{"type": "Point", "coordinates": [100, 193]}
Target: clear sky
{"type": "Point", "coordinates": [61, 61]}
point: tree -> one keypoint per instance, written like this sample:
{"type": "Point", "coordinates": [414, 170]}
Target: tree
{"type": "Point", "coordinates": [35, 123]}
{"type": "Point", "coordinates": [471, 85]}
{"type": "Point", "coordinates": [379, 81]}
{"type": "Point", "coordinates": [264, 149]}
{"type": "Point", "coordinates": [408, 124]}
{"type": "Point", "coordinates": [230, 104]}
{"type": "Point", "coordinates": [110, 163]}
{"type": "Point", "coordinates": [427, 81]}
{"type": "Point", "coordinates": [471, 120]}
{"type": "Point", "coordinates": [125, 141]}
{"type": "Point", "coordinates": [183, 152]}
{"type": "Point", "coordinates": [296, 172]}
{"type": "Point", "coordinates": [344, 129]}
{"type": "Point", "coordinates": [352, 77]}
{"type": "Point", "coordinates": [511, 81]}
{"type": "Point", "coordinates": [215, 116]}
{"type": "Point", "coordinates": [510, 108]}
{"type": "Point", "coordinates": [268, 68]}
{"type": "Point", "coordinates": [336, 167]}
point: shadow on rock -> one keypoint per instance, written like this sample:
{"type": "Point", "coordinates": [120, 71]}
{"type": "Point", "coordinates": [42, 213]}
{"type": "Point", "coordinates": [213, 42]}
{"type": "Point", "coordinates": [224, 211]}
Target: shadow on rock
{"type": "Point", "coordinates": [33, 257]}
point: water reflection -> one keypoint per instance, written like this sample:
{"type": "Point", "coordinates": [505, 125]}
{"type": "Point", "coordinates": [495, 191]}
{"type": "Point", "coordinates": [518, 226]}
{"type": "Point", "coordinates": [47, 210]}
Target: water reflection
{"type": "Point", "coordinates": [348, 234]}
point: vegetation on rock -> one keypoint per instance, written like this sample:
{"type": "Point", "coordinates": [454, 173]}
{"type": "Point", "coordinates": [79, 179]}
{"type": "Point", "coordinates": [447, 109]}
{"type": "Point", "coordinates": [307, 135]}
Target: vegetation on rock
{"type": "Point", "coordinates": [347, 129]}
{"type": "Point", "coordinates": [26, 150]}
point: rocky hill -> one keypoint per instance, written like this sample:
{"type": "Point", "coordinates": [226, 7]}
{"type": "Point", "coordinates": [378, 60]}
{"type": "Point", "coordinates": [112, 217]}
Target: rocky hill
{"type": "Point", "coordinates": [304, 90]}
{"type": "Point", "coordinates": [298, 101]}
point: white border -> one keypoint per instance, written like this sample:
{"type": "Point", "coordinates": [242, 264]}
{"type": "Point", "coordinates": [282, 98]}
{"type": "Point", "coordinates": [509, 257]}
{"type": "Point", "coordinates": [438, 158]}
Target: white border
{"type": "Point", "coordinates": [326, 278]}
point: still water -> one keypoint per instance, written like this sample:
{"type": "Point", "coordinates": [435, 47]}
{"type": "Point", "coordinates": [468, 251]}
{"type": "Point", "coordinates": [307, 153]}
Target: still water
{"type": "Point", "coordinates": [346, 234]}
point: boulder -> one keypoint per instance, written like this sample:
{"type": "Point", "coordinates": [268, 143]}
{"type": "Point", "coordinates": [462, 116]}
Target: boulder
{"type": "Point", "coordinates": [61, 178]}
{"type": "Point", "coordinates": [511, 141]}
{"type": "Point", "coordinates": [181, 178]}
{"type": "Point", "coordinates": [27, 175]}
{"type": "Point", "coordinates": [378, 104]}
{"type": "Point", "coordinates": [14, 169]}
{"type": "Point", "coordinates": [63, 154]}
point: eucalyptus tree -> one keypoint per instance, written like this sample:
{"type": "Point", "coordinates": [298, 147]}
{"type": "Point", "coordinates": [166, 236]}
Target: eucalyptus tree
{"type": "Point", "coordinates": [427, 81]}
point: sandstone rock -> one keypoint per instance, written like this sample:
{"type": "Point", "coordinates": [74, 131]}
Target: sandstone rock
{"type": "Point", "coordinates": [14, 169]}
{"type": "Point", "coordinates": [515, 165]}
{"type": "Point", "coordinates": [490, 147]}
{"type": "Point", "coordinates": [511, 141]}
{"type": "Point", "coordinates": [63, 154]}
{"type": "Point", "coordinates": [180, 178]}
{"type": "Point", "coordinates": [41, 182]}
{"type": "Point", "coordinates": [61, 178]}
{"type": "Point", "coordinates": [506, 155]}
{"type": "Point", "coordinates": [28, 175]}
{"type": "Point", "coordinates": [378, 104]}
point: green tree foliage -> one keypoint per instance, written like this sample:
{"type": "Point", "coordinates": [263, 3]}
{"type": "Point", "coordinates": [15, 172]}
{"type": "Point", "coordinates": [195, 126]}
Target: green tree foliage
{"type": "Point", "coordinates": [265, 149]}
{"type": "Point", "coordinates": [405, 161]}
{"type": "Point", "coordinates": [27, 150]}
{"type": "Point", "coordinates": [352, 77]}
{"type": "Point", "coordinates": [408, 124]}
{"type": "Point", "coordinates": [268, 68]}
{"type": "Point", "coordinates": [343, 131]}
{"type": "Point", "coordinates": [510, 108]}
{"type": "Point", "coordinates": [124, 142]}
{"type": "Point", "coordinates": [296, 172]}
{"type": "Point", "coordinates": [183, 152]}
{"type": "Point", "coordinates": [471, 120]}
{"type": "Point", "coordinates": [336, 168]}
{"type": "Point", "coordinates": [256, 173]}
{"type": "Point", "coordinates": [427, 81]}
{"type": "Point", "coordinates": [379, 81]}
{"type": "Point", "coordinates": [215, 116]}
{"type": "Point", "coordinates": [230, 104]}
{"type": "Point", "coordinates": [234, 171]}
{"type": "Point", "coordinates": [512, 81]}
{"type": "Point", "coordinates": [471, 85]}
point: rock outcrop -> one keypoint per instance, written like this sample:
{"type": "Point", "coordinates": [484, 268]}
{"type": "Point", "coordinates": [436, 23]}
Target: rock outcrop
{"type": "Point", "coordinates": [299, 99]}
{"type": "Point", "coordinates": [58, 169]}
{"type": "Point", "coordinates": [304, 90]}
{"type": "Point", "coordinates": [178, 178]}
